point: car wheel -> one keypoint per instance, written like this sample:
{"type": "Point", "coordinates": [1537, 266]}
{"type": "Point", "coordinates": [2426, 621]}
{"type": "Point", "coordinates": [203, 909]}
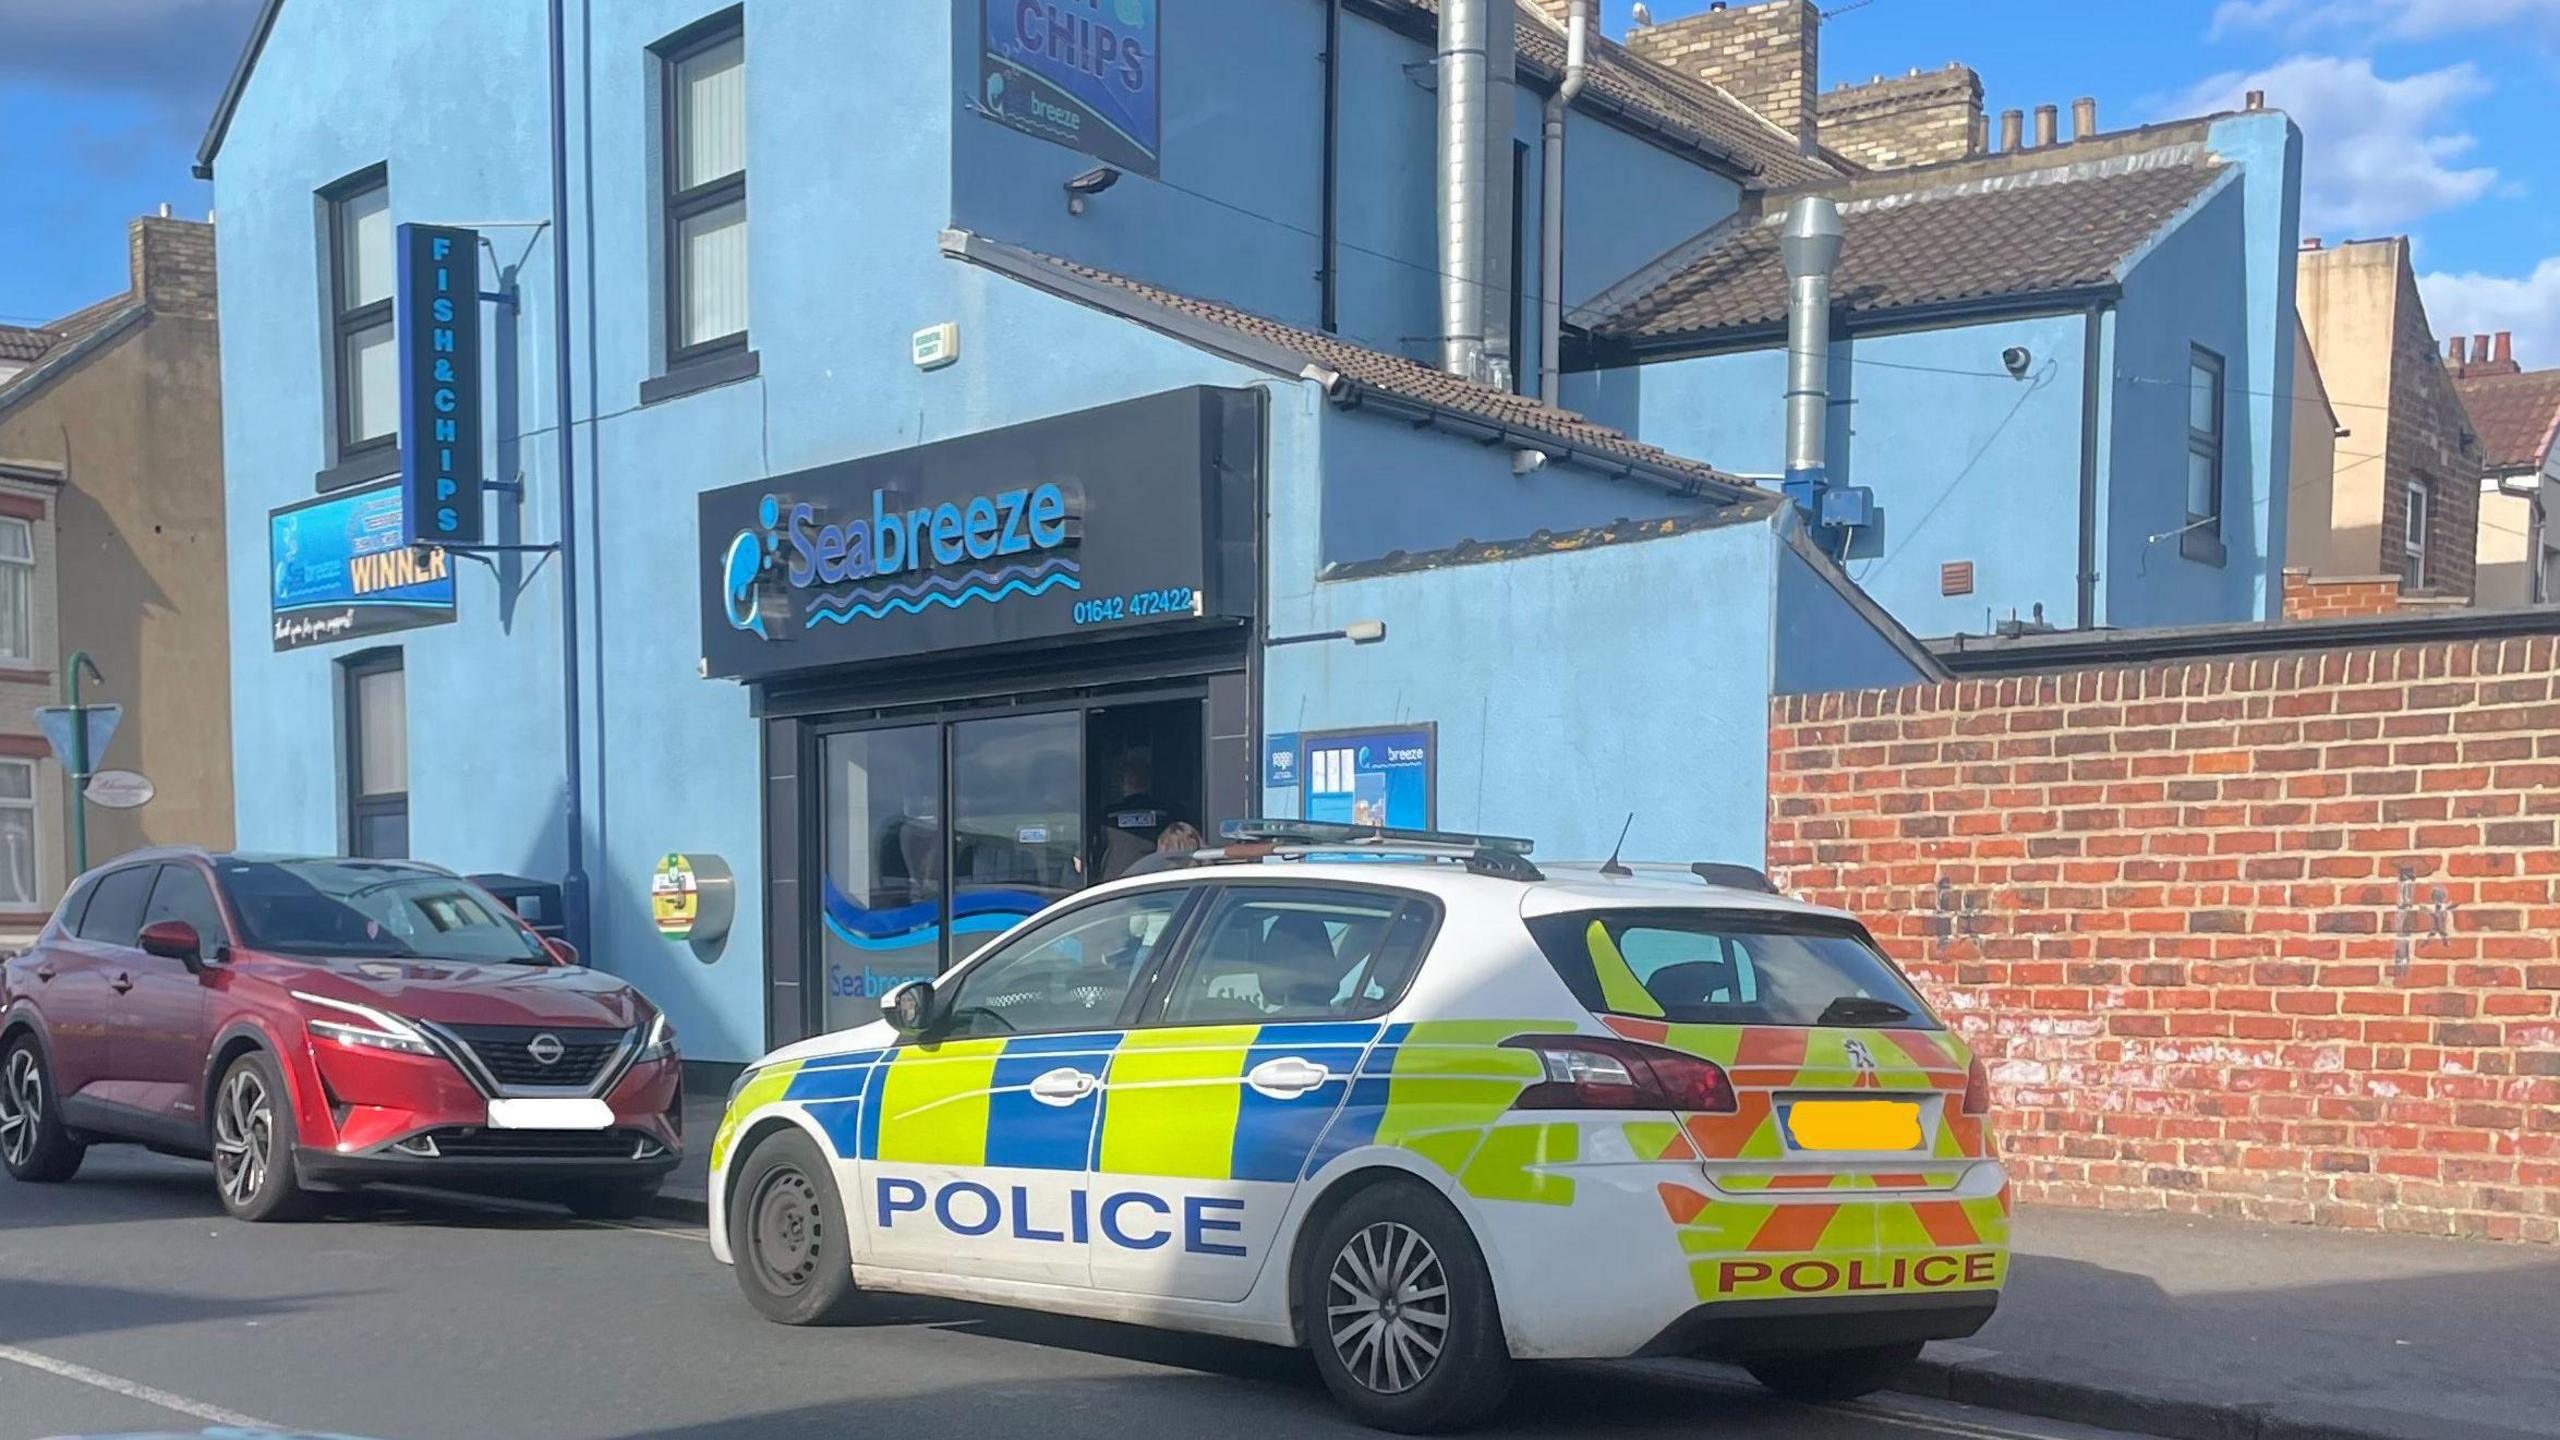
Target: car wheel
{"type": "Point", "coordinates": [1398, 1306]}
{"type": "Point", "coordinates": [787, 1235]}
{"type": "Point", "coordinates": [253, 1131]}
{"type": "Point", "coordinates": [610, 1200]}
{"type": "Point", "coordinates": [34, 1146]}
{"type": "Point", "coordinates": [1834, 1374]}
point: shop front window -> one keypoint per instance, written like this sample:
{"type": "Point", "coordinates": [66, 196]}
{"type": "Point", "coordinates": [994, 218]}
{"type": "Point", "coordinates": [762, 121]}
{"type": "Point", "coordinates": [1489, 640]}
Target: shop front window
{"type": "Point", "coordinates": [1017, 821]}
{"type": "Point", "coordinates": [881, 896]}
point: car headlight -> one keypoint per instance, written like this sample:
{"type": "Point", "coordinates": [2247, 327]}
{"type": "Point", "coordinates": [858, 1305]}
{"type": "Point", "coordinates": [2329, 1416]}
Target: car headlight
{"type": "Point", "coordinates": [362, 1026]}
{"type": "Point", "coordinates": [660, 1043]}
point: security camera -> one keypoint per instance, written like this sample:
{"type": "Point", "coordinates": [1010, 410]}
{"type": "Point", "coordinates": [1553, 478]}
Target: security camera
{"type": "Point", "coordinates": [1092, 182]}
{"type": "Point", "coordinates": [2017, 359]}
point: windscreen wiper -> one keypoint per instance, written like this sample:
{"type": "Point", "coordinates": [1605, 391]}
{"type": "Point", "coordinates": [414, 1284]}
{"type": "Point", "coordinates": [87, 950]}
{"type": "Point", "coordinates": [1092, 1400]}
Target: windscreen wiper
{"type": "Point", "coordinates": [1861, 1010]}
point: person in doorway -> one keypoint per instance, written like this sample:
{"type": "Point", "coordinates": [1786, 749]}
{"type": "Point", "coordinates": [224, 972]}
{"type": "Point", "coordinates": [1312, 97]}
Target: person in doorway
{"type": "Point", "coordinates": [1132, 824]}
{"type": "Point", "coordinates": [1173, 849]}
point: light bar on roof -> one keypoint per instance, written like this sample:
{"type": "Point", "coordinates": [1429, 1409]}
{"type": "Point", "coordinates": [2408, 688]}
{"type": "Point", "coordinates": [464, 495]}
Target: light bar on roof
{"type": "Point", "coordinates": [1319, 832]}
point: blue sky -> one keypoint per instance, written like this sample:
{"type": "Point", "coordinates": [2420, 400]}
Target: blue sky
{"type": "Point", "coordinates": [2422, 117]}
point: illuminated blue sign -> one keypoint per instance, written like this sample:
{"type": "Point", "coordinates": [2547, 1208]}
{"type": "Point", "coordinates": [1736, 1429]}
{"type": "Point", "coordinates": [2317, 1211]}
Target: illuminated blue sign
{"type": "Point", "coordinates": [438, 304]}
{"type": "Point", "coordinates": [1085, 73]}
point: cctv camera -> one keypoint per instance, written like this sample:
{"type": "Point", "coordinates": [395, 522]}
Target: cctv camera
{"type": "Point", "coordinates": [2017, 359]}
{"type": "Point", "coordinates": [1090, 183]}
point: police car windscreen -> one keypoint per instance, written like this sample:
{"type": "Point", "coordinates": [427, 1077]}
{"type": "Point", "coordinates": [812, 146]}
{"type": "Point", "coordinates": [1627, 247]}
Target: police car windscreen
{"type": "Point", "coordinates": [1707, 967]}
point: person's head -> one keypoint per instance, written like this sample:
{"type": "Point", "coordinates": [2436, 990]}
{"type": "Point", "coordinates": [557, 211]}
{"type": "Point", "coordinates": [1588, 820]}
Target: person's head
{"type": "Point", "coordinates": [1178, 838]}
{"type": "Point", "coordinates": [1137, 772]}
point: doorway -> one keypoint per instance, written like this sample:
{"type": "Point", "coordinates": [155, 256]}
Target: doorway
{"type": "Point", "coordinates": [938, 832]}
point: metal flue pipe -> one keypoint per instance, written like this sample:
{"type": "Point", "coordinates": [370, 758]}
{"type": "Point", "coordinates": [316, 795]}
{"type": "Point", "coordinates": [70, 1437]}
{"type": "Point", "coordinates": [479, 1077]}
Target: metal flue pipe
{"type": "Point", "coordinates": [1809, 246]}
{"type": "Point", "coordinates": [1464, 33]}
{"type": "Point", "coordinates": [1577, 70]}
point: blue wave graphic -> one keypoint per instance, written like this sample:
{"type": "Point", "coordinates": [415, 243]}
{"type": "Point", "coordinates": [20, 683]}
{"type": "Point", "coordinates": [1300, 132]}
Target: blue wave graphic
{"type": "Point", "coordinates": [945, 584]}
{"type": "Point", "coordinates": [904, 926]}
{"type": "Point", "coordinates": [819, 614]}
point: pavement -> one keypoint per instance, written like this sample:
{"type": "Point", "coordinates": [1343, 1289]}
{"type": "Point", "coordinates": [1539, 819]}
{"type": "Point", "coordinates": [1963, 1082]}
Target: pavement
{"type": "Point", "coordinates": [129, 1302]}
{"type": "Point", "coordinates": [2203, 1329]}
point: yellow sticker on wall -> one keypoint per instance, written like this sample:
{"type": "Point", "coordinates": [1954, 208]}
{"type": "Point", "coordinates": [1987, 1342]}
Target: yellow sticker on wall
{"type": "Point", "coordinates": [1854, 1124]}
{"type": "Point", "coordinates": [675, 897]}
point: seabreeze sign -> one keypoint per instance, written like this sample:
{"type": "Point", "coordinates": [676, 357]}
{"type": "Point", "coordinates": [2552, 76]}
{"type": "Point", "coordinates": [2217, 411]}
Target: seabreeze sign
{"type": "Point", "coordinates": [339, 569]}
{"type": "Point", "coordinates": [1084, 73]}
{"type": "Point", "coordinates": [1137, 514]}
{"type": "Point", "coordinates": [438, 304]}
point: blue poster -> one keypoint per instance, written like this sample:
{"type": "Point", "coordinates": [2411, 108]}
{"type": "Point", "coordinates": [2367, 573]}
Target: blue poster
{"type": "Point", "coordinates": [338, 569]}
{"type": "Point", "coordinates": [1083, 73]}
{"type": "Point", "coordinates": [1280, 761]}
{"type": "Point", "coordinates": [1370, 777]}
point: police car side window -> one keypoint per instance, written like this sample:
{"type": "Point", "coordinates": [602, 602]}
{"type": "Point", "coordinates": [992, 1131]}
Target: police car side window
{"type": "Point", "coordinates": [1287, 953]}
{"type": "Point", "coordinates": [1073, 973]}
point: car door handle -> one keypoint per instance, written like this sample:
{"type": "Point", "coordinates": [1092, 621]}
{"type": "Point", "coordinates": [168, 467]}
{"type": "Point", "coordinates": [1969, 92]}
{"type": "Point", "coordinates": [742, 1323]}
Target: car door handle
{"type": "Point", "coordinates": [121, 983]}
{"type": "Point", "coordinates": [45, 972]}
{"type": "Point", "coordinates": [1286, 1077]}
{"type": "Point", "coordinates": [1063, 1086]}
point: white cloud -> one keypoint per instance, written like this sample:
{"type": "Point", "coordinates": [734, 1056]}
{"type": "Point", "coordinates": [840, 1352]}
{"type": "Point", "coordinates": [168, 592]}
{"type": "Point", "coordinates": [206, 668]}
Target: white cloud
{"type": "Point", "coordinates": [2470, 303]}
{"type": "Point", "coordinates": [2377, 154]}
{"type": "Point", "coordinates": [2388, 19]}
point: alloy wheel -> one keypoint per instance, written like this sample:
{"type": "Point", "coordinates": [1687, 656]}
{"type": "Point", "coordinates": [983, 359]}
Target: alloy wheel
{"type": "Point", "coordinates": [1387, 1307]}
{"type": "Point", "coordinates": [21, 1107]}
{"type": "Point", "coordinates": [243, 1136]}
{"type": "Point", "coordinates": [785, 1227]}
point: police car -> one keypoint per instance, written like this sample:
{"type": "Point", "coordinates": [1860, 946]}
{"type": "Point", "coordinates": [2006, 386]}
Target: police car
{"type": "Point", "coordinates": [1406, 1100]}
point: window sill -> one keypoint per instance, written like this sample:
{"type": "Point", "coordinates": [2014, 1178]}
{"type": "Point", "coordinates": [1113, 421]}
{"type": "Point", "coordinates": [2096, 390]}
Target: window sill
{"type": "Point", "coordinates": [358, 470]}
{"type": "Point", "coordinates": [725, 368]}
{"type": "Point", "coordinates": [2204, 548]}
{"type": "Point", "coordinates": [20, 672]}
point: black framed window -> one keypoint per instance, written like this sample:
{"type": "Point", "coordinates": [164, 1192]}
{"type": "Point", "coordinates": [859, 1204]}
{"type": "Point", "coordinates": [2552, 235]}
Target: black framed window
{"type": "Point", "coordinates": [364, 364]}
{"type": "Point", "coordinates": [2202, 538]}
{"type": "Point", "coordinates": [376, 700]}
{"type": "Point", "coordinates": [703, 102]}
{"type": "Point", "coordinates": [2417, 527]}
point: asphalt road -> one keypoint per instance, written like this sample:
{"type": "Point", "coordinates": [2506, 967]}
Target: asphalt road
{"type": "Point", "coordinates": [129, 1302]}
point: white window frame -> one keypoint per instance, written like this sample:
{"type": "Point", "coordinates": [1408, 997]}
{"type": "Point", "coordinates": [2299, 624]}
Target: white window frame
{"type": "Point", "coordinates": [35, 840]}
{"type": "Point", "coordinates": [2417, 528]}
{"type": "Point", "coordinates": [21, 646]}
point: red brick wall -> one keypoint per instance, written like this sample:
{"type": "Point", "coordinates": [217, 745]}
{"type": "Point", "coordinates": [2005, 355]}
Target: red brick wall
{"type": "Point", "coordinates": [2276, 938]}
{"type": "Point", "coordinates": [2308, 599]}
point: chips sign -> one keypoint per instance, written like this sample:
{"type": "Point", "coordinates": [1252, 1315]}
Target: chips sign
{"type": "Point", "coordinates": [1086, 74]}
{"type": "Point", "coordinates": [438, 306]}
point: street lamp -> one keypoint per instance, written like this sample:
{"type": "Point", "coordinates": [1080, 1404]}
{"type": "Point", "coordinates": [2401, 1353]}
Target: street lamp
{"type": "Point", "coordinates": [80, 756]}
{"type": "Point", "coordinates": [1358, 632]}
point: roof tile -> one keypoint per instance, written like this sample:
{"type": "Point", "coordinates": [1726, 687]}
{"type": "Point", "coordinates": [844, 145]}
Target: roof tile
{"type": "Point", "coordinates": [1946, 233]}
{"type": "Point", "coordinates": [2515, 416]}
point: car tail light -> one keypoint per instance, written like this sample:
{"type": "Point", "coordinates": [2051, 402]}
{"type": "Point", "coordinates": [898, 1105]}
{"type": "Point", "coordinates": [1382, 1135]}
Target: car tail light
{"type": "Point", "coordinates": [1592, 1072]}
{"type": "Point", "coordinates": [1977, 1089]}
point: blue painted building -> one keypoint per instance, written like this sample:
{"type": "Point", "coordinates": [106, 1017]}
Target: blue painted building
{"type": "Point", "coordinates": [977, 457]}
{"type": "Point", "coordinates": [2062, 371]}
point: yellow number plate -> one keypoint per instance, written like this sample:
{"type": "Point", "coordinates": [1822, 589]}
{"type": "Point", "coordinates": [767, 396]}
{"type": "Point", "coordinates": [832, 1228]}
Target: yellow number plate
{"type": "Point", "coordinates": [1855, 1124]}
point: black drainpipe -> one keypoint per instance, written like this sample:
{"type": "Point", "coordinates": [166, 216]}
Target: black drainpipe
{"type": "Point", "coordinates": [1328, 276]}
{"type": "Point", "coordinates": [2089, 381]}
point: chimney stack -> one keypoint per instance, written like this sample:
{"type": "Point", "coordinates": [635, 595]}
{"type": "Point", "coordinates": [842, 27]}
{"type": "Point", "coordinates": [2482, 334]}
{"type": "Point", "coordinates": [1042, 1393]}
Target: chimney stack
{"type": "Point", "coordinates": [2012, 129]}
{"type": "Point", "coordinates": [1766, 55]}
{"type": "Point", "coordinates": [2084, 117]}
{"type": "Point", "coordinates": [2254, 100]}
{"type": "Point", "coordinates": [2480, 349]}
{"type": "Point", "coordinates": [2046, 116]}
{"type": "Point", "coordinates": [2454, 352]}
{"type": "Point", "coordinates": [2506, 348]}
{"type": "Point", "coordinates": [2310, 242]}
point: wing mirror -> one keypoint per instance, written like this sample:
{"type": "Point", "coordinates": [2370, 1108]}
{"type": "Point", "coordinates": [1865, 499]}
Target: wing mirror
{"type": "Point", "coordinates": [174, 940]}
{"type": "Point", "coordinates": [909, 1008]}
{"type": "Point", "coordinates": [562, 952]}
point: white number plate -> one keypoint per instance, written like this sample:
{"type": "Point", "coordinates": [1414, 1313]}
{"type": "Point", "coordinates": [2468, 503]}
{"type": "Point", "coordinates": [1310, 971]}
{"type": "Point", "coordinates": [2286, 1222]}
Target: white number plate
{"type": "Point", "coordinates": [544, 1113]}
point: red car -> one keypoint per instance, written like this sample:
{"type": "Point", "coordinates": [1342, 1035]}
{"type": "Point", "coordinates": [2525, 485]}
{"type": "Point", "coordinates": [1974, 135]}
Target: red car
{"type": "Point", "coordinates": [314, 1024]}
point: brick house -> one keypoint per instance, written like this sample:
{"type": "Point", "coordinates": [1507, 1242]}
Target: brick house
{"type": "Point", "coordinates": [111, 542]}
{"type": "Point", "coordinates": [2404, 492]}
{"type": "Point", "coordinates": [2517, 412]}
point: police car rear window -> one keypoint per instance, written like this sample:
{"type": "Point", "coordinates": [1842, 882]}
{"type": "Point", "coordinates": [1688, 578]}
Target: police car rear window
{"type": "Point", "coordinates": [1722, 968]}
